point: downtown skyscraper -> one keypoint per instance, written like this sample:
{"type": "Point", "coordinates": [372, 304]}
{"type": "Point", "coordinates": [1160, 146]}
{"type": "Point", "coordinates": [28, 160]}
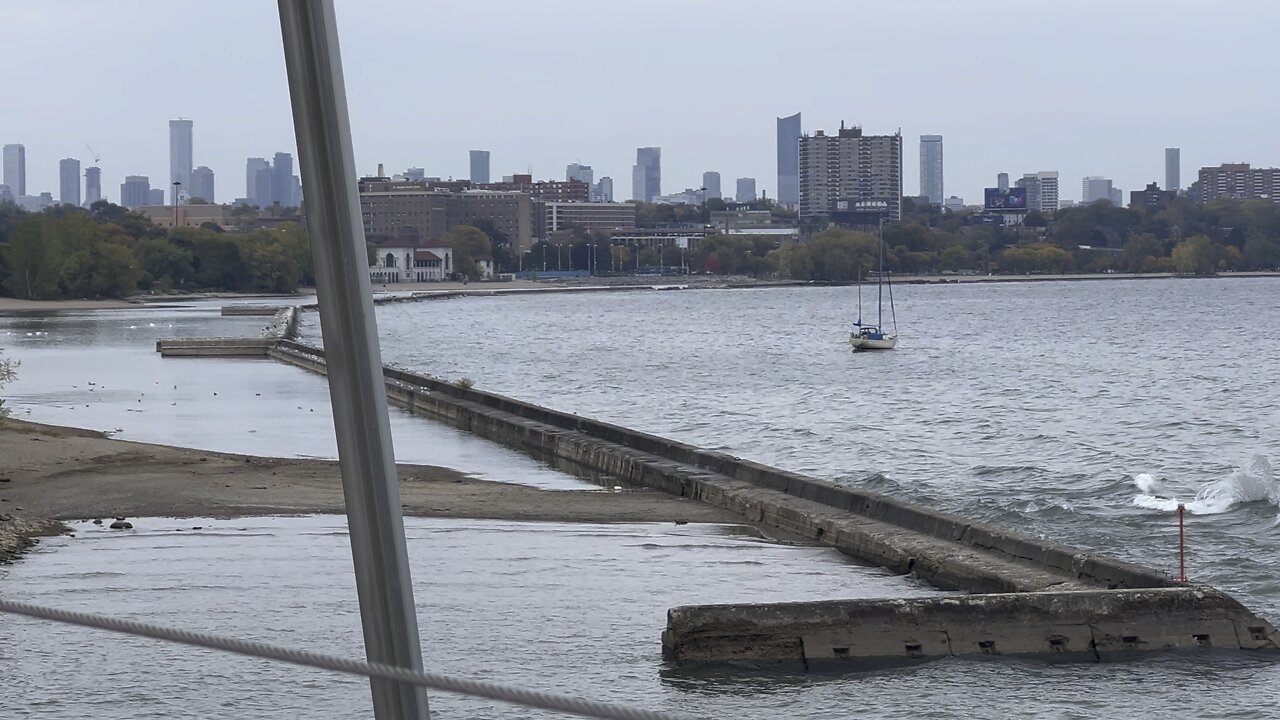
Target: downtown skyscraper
{"type": "Point", "coordinates": [92, 185]}
{"type": "Point", "coordinates": [1172, 168]}
{"type": "Point", "coordinates": [931, 169]}
{"type": "Point", "coordinates": [479, 167]}
{"type": "Point", "coordinates": [15, 169]}
{"type": "Point", "coordinates": [646, 175]}
{"type": "Point", "coordinates": [69, 182]}
{"type": "Point", "coordinates": [180, 158]}
{"type": "Point", "coordinates": [789, 160]}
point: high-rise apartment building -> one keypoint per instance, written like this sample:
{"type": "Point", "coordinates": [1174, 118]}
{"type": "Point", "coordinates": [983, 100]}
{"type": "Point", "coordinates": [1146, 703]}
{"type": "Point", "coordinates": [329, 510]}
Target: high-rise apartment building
{"type": "Point", "coordinates": [711, 181]}
{"type": "Point", "coordinates": [583, 173]}
{"type": "Point", "coordinates": [69, 182]}
{"type": "Point", "coordinates": [92, 185]}
{"type": "Point", "coordinates": [1095, 188]}
{"type": "Point", "coordinates": [180, 158]}
{"type": "Point", "coordinates": [603, 190]}
{"type": "Point", "coordinates": [282, 180]}
{"type": "Point", "coordinates": [135, 191]}
{"type": "Point", "coordinates": [480, 167]}
{"type": "Point", "coordinates": [1042, 190]}
{"type": "Point", "coordinates": [1238, 181]}
{"type": "Point", "coordinates": [746, 190]}
{"type": "Point", "coordinates": [1002, 182]}
{"type": "Point", "coordinates": [789, 160]}
{"type": "Point", "coordinates": [851, 172]}
{"type": "Point", "coordinates": [15, 169]}
{"type": "Point", "coordinates": [1172, 168]}
{"type": "Point", "coordinates": [646, 176]}
{"type": "Point", "coordinates": [255, 194]}
{"type": "Point", "coordinates": [202, 184]}
{"type": "Point", "coordinates": [931, 168]}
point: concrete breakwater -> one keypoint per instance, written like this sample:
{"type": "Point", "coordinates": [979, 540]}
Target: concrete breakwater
{"type": "Point", "coordinates": [1029, 594]}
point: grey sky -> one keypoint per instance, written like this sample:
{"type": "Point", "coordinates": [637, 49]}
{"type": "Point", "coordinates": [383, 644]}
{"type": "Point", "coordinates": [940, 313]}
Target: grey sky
{"type": "Point", "coordinates": [1087, 87]}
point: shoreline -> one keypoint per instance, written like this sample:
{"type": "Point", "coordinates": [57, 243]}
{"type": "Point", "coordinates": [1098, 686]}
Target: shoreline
{"type": "Point", "coordinates": [50, 473]}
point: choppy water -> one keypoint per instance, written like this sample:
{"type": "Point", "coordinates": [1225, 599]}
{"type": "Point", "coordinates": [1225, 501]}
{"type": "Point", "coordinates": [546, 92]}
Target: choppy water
{"type": "Point", "coordinates": [1082, 412]}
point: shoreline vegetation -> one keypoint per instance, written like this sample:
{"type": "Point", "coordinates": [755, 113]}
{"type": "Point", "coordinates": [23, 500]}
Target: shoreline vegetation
{"type": "Point", "coordinates": [9, 304]}
{"type": "Point", "coordinates": [52, 473]}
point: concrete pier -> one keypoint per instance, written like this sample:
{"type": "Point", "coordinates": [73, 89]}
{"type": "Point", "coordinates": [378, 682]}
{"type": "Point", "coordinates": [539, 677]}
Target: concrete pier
{"type": "Point", "coordinates": [1030, 597]}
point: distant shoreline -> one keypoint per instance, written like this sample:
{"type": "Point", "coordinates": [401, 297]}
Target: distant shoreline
{"type": "Point", "coordinates": [603, 283]}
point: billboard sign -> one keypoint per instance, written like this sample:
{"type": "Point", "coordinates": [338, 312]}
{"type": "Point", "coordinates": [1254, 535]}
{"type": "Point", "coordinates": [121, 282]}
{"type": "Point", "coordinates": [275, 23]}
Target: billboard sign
{"type": "Point", "coordinates": [1011, 199]}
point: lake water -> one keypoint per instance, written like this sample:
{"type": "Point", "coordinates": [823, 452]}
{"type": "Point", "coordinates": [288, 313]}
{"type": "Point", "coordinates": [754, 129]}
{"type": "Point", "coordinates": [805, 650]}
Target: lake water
{"type": "Point", "coordinates": [1078, 411]}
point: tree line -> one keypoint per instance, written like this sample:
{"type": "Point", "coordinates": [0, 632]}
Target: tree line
{"type": "Point", "coordinates": [107, 251]}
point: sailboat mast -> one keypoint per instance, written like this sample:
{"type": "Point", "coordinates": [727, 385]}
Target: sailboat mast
{"type": "Point", "coordinates": [880, 283]}
{"type": "Point", "coordinates": [859, 293]}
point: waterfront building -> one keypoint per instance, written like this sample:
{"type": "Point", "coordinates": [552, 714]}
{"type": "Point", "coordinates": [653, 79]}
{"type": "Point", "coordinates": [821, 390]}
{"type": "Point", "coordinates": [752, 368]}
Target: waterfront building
{"type": "Point", "coordinates": [711, 181]}
{"type": "Point", "coordinates": [1042, 190]}
{"type": "Point", "coordinates": [931, 168]}
{"type": "Point", "coordinates": [1238, 181]}
{"type": "Point", "coordinates": [479, 167]}
{"type": "Point", "coordinates": [1173, 169]}
{"type": "Point", "coordinates": [412, 263]}
{"type": "Point", "coordinates": [746, 190]}
{"type": "Point", "coordinates": [69, 182]}
{"type": "Point", "coordinates": [646, 175]}
{"type": "Point", "coordinates": [180, 158]}
{"type": "Point", "coordinates": [789, 160]}
{"type": "Point", "coordinates": [409, 213]}
{"type": "Point", "coordinates": [15, 169]}
{"type": "Point", "coordinates": [92, 185]}
{"type": "Point", "coordinates": [590, 216]}
{"type": "Point", "coordinates": [202, 184]}
{"type": "Point", "coordinates": [850, 172]}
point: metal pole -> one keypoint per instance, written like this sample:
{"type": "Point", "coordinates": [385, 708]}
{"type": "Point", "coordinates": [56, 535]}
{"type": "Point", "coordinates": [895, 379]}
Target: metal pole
{"type": "Point", "coordinates": [1182, 543]}
{"type": "Point", "coordinates": [356, 385]}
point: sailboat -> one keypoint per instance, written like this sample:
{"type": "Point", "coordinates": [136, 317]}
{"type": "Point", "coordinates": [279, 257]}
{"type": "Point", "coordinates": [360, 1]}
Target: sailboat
{"type": "Point", "coordinates": [872, 337]}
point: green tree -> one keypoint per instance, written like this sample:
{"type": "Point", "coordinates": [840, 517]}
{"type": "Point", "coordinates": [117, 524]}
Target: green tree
{"type": "Point", "coordinates": [469, 244]}
{"type": "Point", "coordinates": [8, 373]}
{"type": "Point", "coordinates": [1139, 249]}
{"type": "Point", "coordinates": [1193, 256]}
{"type": "Point", "coordinates": [35, 259]}
{"type": "Point", "coordinates": [218, 263]}
{"type": "Point", "coordinates": [1035, 218]}
{"type": "Point", "coordinates": [1261, 252]}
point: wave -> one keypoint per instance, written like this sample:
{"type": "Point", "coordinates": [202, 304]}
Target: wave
{"type": "Point", "coordinates": [1255, 482]}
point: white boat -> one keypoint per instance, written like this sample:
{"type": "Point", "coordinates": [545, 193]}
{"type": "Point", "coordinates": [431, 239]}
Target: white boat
{"type": "Point", "coordinates": [872, 337]}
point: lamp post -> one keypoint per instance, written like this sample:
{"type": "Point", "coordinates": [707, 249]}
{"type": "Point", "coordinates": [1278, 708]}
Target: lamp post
{"type": "Point", "coordinates": [177, 185]}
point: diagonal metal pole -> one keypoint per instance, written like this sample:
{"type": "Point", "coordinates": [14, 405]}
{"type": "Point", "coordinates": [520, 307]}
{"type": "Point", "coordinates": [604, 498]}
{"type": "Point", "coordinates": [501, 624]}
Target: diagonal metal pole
{"type": "Point", "coordinates": [369, 481]}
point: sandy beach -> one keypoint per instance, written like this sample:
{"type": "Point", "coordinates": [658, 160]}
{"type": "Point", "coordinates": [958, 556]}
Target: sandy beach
{"type": "Point", "coordinates": [58, 473]}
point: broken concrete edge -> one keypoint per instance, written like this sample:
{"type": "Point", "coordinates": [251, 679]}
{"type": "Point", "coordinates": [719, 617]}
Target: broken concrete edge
{"type": "Point", "coordinates": [1091, 625]}
{"type": "Point", "coordinates": [1072, 562]}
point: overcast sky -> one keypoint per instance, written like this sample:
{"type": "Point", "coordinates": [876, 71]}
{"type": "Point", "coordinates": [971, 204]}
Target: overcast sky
{"type": "Point", "coordinates": [1087, 87]}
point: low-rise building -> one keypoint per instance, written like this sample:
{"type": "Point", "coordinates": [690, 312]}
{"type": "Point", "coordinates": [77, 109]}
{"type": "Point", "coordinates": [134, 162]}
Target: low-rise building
{"type": "Point", "coordinates": [1152, 198]}
{"type": "Point", "coordinates": [592, 217]}
{"type": "Point", "coordinates": [411, 264]}
{"type": "Point", "coordinates": [409, 213]}
{"type": "Point", "coordinates": [187, 215]}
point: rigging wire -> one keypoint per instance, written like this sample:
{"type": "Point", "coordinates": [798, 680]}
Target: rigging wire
{"type": "Point", "coordinates": [436, 681]}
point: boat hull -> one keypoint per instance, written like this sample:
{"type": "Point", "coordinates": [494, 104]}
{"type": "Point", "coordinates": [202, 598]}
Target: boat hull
{"type": "Point", "coordinates": [862, 343]}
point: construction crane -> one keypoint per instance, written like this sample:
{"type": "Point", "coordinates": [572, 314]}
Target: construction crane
{"type": "Point", "coordinates": [94, 153]}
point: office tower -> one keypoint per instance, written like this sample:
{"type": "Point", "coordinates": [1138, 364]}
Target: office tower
{"type": "Point", "coordinates": [581, 173]}
{"type": "Point", "coordinates": [92, 185]}
{"type": "Point", "coordinates": [1002, 182]}
{"type": "Point", "coordinates": [479, 167]}
{"type": "Point", "coordinates": [15, 169]}
{"type": "Point", "coordinates": [1095, 188]}
{"type": "Point", "coordinates": [202, 184]}
{"type": "Point", "coordinates": [646, 175]}
{"type": "Point", "coordinates": [281, 179]}
{"type": "Point", "coordinates": [746, 190]}
{"type": "Point", "coordinates": [1042, 190]}
{"type": "Point", "coordinates": [180, 162]}
{"type": "Point", "coordinates": [603, 191]}
{"type": "Point", "coordinates": [851, 172]}
{"type": "Point", "coordinates": [415, 174]}
{"type": "Point", "coordinates": [155, 196]}
{"type": "Point", "coordinates": [262, 187]}
{"type": "Point", "coordinates": [931, 168]}
{"type": "Point", "coordinates": [295, 191]}
{"type": "Point", "coordinates": [69, 182]}
{"type": "Point", "coordinates": [1117, 197]}
{"type": "Point", "coordinates": [711, 181]}
{"type": "Point", "coordinates": [251, 190]}
{"type": "Point", "coordinates": [136, 191]}
{"type": "Point", "coordinates": [1172, 169]}
{"type": "Point", "coordinates": [789, 160]}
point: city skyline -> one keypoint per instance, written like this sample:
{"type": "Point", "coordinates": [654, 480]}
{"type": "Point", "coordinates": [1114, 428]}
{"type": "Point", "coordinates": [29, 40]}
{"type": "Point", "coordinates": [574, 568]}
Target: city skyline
{"type": "Point", "coordinates": [1054, 123]}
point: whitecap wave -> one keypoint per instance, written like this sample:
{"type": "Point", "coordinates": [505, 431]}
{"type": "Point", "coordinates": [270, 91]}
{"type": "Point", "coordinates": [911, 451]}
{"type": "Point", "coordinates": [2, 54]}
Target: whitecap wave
{"type": "Point", "coordinates": [1255, 482]}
